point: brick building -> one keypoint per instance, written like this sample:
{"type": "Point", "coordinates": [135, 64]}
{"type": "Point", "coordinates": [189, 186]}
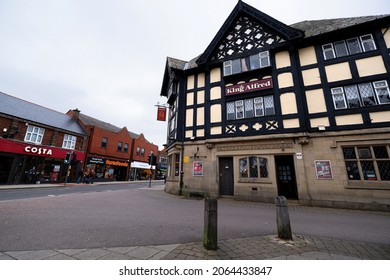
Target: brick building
{"type": "Point", "coordinates": [114, 153]}
{"type": "Point", "coordinates": [34, 142]}
{"type": "Point", "coordinates": [140, 158]}
{"type": "Point", "coordinates": [269, 109]}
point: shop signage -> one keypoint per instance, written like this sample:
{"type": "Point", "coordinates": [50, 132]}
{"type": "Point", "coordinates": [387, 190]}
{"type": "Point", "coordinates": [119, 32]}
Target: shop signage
{"type": "Point", "coordinates": [161, 113]}
{"type": "Point", "coordinates": [94, 160]}
{"type": "Point", "coordinates": [22, 148]}
{"type": "Point", "coordinates": [249, 87]}
{"type": "Point", "coordinates": [117, 163]}
{"type": "Point", "coordinates": [38, 151]}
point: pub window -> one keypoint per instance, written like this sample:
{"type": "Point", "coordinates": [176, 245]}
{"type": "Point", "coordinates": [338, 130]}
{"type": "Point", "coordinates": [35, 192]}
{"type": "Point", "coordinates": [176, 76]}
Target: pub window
{"type": "Point", "coordinates": [249, 108]}
{"type": "Point", "coordinates": [354, 96]}
{"type": "Point", "coordinates": [259, 60]}
{"type": "Point", "coordinates": [341, 48]}
{"type": "Point", "coordinates": [104, 142]}
{"type": "Point", "coordinates": [368, 43]}
{"type": "Point", "coordinates": [69, 141]}
{"type": "Point", "coordinates": [239, 109]}
{"type": "Point", "coordinates": [126, 148]}
{"type": "Point", "coordinates": [367, 163]}
{"type": "Point", "coordinates": [253, 167]}
{"type": "Point", "coordinates": [328, 51]}
{"type": "Point", "coordinates": [350, 46]}
{"type": "Point", "coordinates": [382, 92]}
{"type": "Point", "coordinates": [354, 46]}
{"type": "Point", "coordinates": [120, 145]}
{"type": "Point", "coordinates": [177, 164]}
{"type": "Point", "coordinates": [34, 134]}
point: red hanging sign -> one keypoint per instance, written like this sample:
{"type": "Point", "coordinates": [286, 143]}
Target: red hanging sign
{"type": "Point", "coordinates": [161, 114]}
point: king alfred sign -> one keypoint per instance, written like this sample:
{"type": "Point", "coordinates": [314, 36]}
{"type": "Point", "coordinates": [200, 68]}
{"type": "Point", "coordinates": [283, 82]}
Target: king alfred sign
{"type": "Point", "coordinates": [249, 87]}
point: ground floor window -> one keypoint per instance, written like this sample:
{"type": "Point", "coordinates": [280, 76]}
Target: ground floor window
{"type": "Point", "coordinates": [174, 165]}
{"type": "Point", "coordinates": [253, 167]}
{"type": "Point", "coordinates": [367, 163]}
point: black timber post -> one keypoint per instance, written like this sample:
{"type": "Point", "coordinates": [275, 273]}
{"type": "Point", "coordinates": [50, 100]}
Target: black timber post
{"type": "Point", "coordinates": [210, 235]}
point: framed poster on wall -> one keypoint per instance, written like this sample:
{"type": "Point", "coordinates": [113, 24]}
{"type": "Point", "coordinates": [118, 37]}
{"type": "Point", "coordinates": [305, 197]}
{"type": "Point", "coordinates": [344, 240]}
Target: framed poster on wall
{"type": "Point", "coordinates": [197, 168]}
{"type": "Point", "coordinates": [323, 169]}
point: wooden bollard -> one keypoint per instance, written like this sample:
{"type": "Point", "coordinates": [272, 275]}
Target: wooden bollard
{"type": "Point", "coordinates": [210, 235]}
{"type": "Point", "coordinates": [283, 218]}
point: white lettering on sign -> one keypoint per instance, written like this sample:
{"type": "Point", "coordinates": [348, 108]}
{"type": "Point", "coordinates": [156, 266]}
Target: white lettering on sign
{"type": "Point", "coordinates": [248, 87]}
{"type": "Point", "coordinates": [38, 151]}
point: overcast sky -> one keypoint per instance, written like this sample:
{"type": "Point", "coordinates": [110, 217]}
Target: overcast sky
{"type": "Point", "coordinates": [107, 57]}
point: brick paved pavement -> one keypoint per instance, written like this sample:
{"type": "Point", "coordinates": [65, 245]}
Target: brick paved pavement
{"type": "Point", "coordinates": [250, 248]}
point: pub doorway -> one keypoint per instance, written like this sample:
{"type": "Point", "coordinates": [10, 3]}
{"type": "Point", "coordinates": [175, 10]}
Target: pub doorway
{"type": "Point", "coordinates": [226, 176]}
{"type": "Point", "coordinates": [285, 174]}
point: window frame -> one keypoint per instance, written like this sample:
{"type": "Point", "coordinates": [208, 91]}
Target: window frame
{"type": "Point", "coordinates": [120, 146]}
{"type": "Point", "coordinates": [374, 89]}
{"type": "Point", "coordinates": [258, 106]}
{"type": "Point", "coordinates": [69, 143]}
{"type": "Point", "coordinates": [249, 63]}
{"type": "Point", "coordinates": [351, 46]}
{"type": "Point", "coordinates": [253, 168]}
{"type": "Point", "coordinates": [104, 143]}
{"type": "Point", "coordinates": [366, 163]}
{"type": "Point", "coordinates": [34, 134]}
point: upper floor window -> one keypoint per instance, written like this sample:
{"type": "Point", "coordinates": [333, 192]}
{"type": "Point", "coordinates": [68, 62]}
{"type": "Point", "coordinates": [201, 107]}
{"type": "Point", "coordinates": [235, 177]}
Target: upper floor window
{"type": "Point", "coordinates": [104, 142]}
{"type": "Point", "coordinates": [138, 151]}
{"type": "Point", "coordinates": [250, 108]}
{"type": "Point", "coordinates": [253, 62]}
{"type": "Point", "coordinates": [350, 46]}
{"type": "Point", "coordinates": [142, 152]}
{"type": "Point", "coordinates": [126, 148]}
{"type": "Point", "coordinates": [34, 134]}
{"type": "Point", "coordinates": [361, 95]}
{"type": "Point", "coordinates": [69, 142]}
{"type": "Point", "coordinates": [120, 145]}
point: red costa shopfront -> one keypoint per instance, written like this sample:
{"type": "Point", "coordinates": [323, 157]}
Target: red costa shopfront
{"type": "Point", "coordinates": [25, 163]}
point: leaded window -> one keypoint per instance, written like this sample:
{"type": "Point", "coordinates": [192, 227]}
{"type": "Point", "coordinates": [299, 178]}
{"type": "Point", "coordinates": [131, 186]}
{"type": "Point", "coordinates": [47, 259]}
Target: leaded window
{"type": "Point", "coordinates": [350, 46]}
{"type": "Point", "coordinates": [367, 163]}
{"type": "Point", "coordinates": [382, 92]}
{"type": "Point", "coordinates": [354, 96]}
{"type": "Point", "coordinates": [253, 167]}
{"type": "Point", "coordinates": [250, 108]}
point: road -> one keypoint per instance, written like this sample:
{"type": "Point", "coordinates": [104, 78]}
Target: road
{"type": "Point", "coordinates": [133, 214]}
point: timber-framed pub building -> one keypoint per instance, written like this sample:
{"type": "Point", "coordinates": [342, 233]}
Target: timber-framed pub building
{"type": "Point", "coordinates": [270, 109]}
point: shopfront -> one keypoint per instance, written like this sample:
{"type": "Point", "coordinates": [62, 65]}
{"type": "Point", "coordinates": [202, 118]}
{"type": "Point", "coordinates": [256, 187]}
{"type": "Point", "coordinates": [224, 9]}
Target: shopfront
{"type": "Point", "coordinates": [104, 169]}
{"type": "Point", "coordinates": [25, 163]}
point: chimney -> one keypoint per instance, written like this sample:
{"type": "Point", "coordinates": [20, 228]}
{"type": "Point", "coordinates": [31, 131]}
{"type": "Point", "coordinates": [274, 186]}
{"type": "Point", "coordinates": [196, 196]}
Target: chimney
{"type": "Point", "coordinates": [76, 113]}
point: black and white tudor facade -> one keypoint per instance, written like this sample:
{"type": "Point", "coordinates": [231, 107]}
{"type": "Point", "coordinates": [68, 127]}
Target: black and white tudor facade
{"type": "Point", "coordinates": [268, 109]}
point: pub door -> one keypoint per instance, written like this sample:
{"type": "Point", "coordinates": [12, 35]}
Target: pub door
{"type": "Point", "coordinates": [285, 174]}
{"type": "Point", "coordinates": [226, 177]}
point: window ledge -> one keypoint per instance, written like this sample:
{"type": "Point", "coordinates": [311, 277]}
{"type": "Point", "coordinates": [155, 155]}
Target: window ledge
{"type": "Point", "coordinates": [253, 180]}
{"type": "Point", "coordinates": [382, 185]}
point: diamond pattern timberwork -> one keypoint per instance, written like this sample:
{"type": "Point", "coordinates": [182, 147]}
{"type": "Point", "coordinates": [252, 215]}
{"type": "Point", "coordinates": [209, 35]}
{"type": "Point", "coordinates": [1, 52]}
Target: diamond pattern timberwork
{"type": "Point", "coordinates": [245, 35]}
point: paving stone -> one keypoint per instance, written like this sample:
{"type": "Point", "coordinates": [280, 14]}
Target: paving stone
{"type": "Point", "coordinates": [91, 254]}
{"type": "Point", "coordinates": [143, 253]}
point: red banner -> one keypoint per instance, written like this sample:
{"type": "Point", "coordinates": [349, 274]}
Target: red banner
{"type": "Point", "coordinates": [249, 87]}
{"type": "Point", "coordinates": [15, 147]}
{"type": "Point", "coordinates": [161, 113]}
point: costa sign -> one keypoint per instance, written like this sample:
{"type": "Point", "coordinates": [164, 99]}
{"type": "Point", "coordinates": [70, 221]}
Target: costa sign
{"type": "Point", "coordinates": [38, 151]}
{"type": "Point", "coordinates": [249, 87]}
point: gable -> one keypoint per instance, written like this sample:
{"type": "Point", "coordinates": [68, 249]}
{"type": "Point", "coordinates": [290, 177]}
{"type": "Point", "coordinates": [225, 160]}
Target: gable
{"type": "Point", "coordinates": [247, 30]}
{"type": "Point", "coordinates": [245, 35]}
